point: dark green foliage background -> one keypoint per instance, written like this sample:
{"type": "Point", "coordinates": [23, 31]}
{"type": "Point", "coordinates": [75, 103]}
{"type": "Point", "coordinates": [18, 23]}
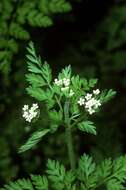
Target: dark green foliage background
{"type": "Point", "coordinates": [91, 36]}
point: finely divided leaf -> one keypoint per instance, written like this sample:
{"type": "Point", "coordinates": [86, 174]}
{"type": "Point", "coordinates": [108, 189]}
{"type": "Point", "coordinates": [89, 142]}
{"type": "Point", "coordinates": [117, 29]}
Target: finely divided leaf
{"type": "Point", "coordinates": [106, 95]}
{"type": "Point", "coordinates": [65, 73]}
{"type": "Point", "coordinates": [35, 80]}
{"type": "Point", "coordinates": [104, 169]}
{"type": "Point", "coordinates": [46, 72]}
{"type": "Point", "coordinates": [92, 82]}
{"type": "Point", "coordinates": [37, 93]}
{"type": "Point", "coordinates": [33, 62]}
{"type": "Point", "coordinates": [55, 171]}
{"type": "Point", "coordinates": [33, 140]}
{"type": "Point", "coordinates": [40, 182]}
{"type": "Point", "coordinates": [88, 127]}
{"type": "Point", "coordinates": [21, 184]}
{"type": "Point", "coordinates": [86, 172]}
{"type": "Point", "coordinates": [86, 165]}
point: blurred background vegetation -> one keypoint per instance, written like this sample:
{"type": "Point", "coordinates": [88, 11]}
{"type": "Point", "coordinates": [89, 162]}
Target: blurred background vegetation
{"type": "Point", "coordinates": [89, 35]}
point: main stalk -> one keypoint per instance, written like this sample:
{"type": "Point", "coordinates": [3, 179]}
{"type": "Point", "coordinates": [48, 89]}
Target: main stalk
{"type": "Point", "coordinates": [69, 139]}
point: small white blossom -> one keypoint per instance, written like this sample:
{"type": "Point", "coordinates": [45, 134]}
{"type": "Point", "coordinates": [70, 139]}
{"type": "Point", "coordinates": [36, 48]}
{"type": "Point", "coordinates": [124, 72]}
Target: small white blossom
{"type": "Point", "coordinates": [97, 104]}
{"type": "Point", "coordinates": [34, 106]}
{"type": "Point", "coordinates": [64, 85]}
{"type": "Point", "coordinates": [91, 111]}
{"type": "Point", "coordinates": [66, 82]}
{"type": "Point", "coordinates": [58, 82]}
{"type": "Point", "coordinates": [92, 104]}
{"type": "Point", "coordinates": [71, 93]}
{"type": "Point", "coordinates": [81, 101]}
{"type": "Point", "coordinates": [88, 96]}
{"type": "Point", "coordinates": [26, 107]}
{"type": "Point", "coordinates": [29, 114]}
{"type": "Point", "coordinates": [96, 92]}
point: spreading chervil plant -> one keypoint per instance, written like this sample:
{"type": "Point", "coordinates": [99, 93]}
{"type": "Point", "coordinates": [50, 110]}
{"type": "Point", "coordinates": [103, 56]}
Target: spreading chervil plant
{"type": "Point", "coordinates": [70, 102]}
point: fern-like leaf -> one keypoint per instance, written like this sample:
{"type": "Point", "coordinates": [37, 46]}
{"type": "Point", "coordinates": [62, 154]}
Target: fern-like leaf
{"type": "Point", "coordinates": [33, 140]}
{"type": "Point", "coordinates": [56, 173]}
{"type": "Point", "coordinates": [21, 184]}
{"type": "Point", "coordinates": [40, 182]}
{"type": "Point", "coordinates": [88, 127]}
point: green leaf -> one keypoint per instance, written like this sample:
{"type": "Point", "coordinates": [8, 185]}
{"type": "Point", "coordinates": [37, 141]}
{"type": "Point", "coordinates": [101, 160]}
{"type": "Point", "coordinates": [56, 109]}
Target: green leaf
{"type": "Point", "coordinates": [69, 177]}
{"type": "Point", "coordinates": [17, 31]}
{"type": "Point", "coordinates": [33, 62]}
{"type": "Point", "coordinates": [106, 95]}
{"type": "Point", "coordinates": [40, 182]}
{"type": "Point", "coordinates": [88, 127]}
{"type": "Point", "coordinates": [59, 6]}
{"type": "Point", "coordinates": [114, 185]}
{"type": "Point", "coordinates": [53, 127]}
{"type": "Point", "coordinates": [46, 72]}
{"type": "Point", "coordinates": [21, 184]}
{"type": "Point", "coordinates": [86, 172]}
{"type": "Point", "coordinates": [76, 82]}
{"type": "Point", "coordinates": [36, 93]}
{"type": "Point", "coordinates": [35, 80]}
{"type": "Point", "coordinates": [119, 168]}
{"type": "Point", "coordinates": [31, 56]}
{"type": "Point", "coordinates": [104, 169]}
{"type": "Point", "coordinates": [56, 173]}
{"type": "Point", "coordinates": [65, 73]}
{"type": "Point", "coordinates": [86, 165]}
{"type": "Point", "coordinates": [85, 84]}
{"type": "Point", "coordinates": [33, 68]}
{"type": "Point", "coordinates": [92, 82]}
{"type": "Point", "coordinates": [33, 140]}
{"type": "Point", "coordinates": [36, 18]}
{"type": "Point", "coordinates": [55, 116]}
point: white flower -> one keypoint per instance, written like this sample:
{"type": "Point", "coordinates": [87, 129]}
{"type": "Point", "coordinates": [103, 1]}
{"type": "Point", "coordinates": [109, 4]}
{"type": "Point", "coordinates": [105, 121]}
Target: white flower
{"type": "Point", "coordinates": [25, 107]}
{"type": "Point", "coordinates": [96, 92]}
{"type": "Point", "coordinates": [88, 96]}
{"type": "Point", "coordinates": [62, 82]}
{"type": "Point", "coordinates": [81, 101]}
{"type": "Point", "coordinates": [71, 93]}
{"type": "Point", "coordinates": [34, 106]}
{"type": "Point", "coordinates": [91, 111]}
{"type": "Point", "coordinates": [66, 82]}
{"type": "Point", "coordinates": [97, 104]}
{"type": "Point", "coordinates": [29, 114]}
{"type": "Point", "coordinates": [64, 85]}
{"type": "Point", "coordinates": [58, 82]}
{"type": "Point", "coordinates": [92, 104]}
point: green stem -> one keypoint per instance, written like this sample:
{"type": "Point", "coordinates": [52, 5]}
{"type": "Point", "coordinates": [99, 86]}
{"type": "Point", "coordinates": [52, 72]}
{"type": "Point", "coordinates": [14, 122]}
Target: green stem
{"type": "Point", "coordinates": [70, 148]}
{"type": "Point", "coordinates": [58, 102]}
{"type": "Point", "coordinates": [68, 133]}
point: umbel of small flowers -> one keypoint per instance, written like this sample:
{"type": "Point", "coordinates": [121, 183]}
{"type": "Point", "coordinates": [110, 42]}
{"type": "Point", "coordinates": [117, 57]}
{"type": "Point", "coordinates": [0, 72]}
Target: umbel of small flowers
{"type": "Point", "coordinates": [64, 85]}
{"type": "Point", "coordinates": [90, 101]}
{"type": "Point", "coordinates": [30, 113]}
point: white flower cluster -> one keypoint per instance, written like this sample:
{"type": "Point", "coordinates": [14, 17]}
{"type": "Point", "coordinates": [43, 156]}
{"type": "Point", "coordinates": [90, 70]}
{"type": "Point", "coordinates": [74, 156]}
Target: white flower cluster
{"type": "Point", "coordinates": [65, 85]}
{"type": "Point", "coordinates": [30, 113]}
{"type": "Point", "coordinates": [89, 102]}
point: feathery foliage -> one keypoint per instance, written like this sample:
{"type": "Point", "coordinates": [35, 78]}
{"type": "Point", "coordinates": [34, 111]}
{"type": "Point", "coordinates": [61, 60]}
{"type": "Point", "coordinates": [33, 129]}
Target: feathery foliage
{"type": "Point", "coordinates": [88, 176]}
{"type": "Point", "coordinates": [16, 15]}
